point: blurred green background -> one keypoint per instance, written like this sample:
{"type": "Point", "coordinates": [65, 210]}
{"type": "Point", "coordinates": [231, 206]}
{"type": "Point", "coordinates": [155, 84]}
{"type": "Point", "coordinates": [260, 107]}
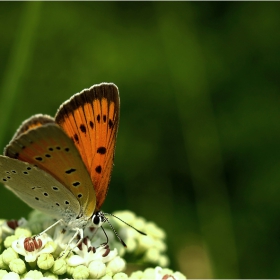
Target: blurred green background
{"type": "Point", "coordinates": [198, 144]}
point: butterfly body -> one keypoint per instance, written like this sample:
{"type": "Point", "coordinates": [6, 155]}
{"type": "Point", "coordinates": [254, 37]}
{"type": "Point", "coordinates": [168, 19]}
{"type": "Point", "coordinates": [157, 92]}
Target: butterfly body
{"type": "Point", "coordinates": [62, 165]}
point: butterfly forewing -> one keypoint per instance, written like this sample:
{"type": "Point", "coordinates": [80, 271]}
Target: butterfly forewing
{"type": "Point", "coordinates": [38, 189]}
{"type": "Point", "coordinates": [49, 148]}
{"type": "Point", "coordinates": [91, 119]}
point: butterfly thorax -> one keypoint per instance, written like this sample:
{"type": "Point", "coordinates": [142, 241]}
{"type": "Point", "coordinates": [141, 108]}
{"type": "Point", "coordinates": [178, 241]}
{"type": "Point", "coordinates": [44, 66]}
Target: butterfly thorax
{"type": "Point", "coordinates": [73, 223]}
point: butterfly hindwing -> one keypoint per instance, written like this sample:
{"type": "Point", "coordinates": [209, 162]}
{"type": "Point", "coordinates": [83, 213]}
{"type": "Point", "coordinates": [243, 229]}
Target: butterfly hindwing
{"type": "Point", "coordinates": [90, 119]}
{"type": "Point", "coordinates": [33, 122]}
{"type": "Point", "coordinates": [38, 189]}
{"type": "Point", "coordinates": [50, 149]}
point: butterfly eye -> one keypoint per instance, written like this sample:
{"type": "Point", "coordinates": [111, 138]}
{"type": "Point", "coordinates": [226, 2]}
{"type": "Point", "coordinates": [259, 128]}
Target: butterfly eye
{"type": "Point", "coordinates": [97, 219]}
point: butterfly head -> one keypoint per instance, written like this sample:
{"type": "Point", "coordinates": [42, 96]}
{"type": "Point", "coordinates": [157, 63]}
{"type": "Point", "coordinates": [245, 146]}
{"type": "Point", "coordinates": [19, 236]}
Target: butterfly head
{"type": "Point", "coordinates": [98, 219]}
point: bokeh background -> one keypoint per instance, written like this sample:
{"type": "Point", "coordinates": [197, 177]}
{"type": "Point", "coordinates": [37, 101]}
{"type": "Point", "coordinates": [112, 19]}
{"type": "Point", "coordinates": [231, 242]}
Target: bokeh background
{"type": "Point", "coordinates": [198, 144]}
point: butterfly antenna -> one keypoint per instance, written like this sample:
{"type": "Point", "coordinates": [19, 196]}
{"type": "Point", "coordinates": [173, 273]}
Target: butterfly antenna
{"type": "Point", "coordinates": [141, 232]}
{"type": "Point", "coordinates": [113, 229]}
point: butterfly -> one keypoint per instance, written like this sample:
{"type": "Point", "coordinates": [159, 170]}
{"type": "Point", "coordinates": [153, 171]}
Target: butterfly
{"type": "Point", "coordinates": [62, 166]}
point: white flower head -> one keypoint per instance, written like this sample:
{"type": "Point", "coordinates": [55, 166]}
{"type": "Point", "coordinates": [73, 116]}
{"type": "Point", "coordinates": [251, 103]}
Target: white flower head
{"type": "Point", "coordinates": [167, 274]}
{"type": "Point", "coordinates": [8, 227]}
{"type": "Point", "coordinates": [85, 259]}
{"type": "Point", "coordinates": [32, 247]}
{"type": "Point", "coordinates": [87, 254]}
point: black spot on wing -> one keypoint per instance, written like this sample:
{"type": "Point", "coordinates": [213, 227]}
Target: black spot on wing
{"type": "Point", "coordinates": [76, 138]}
{"type": "Point", "coordinates": [101, 150]}
{"type": "Point", "coordinates": [83, 128]}
{"type": "Point", "coordinates": [110, 123]}
{"type": "Point", "coordinates": [69, 171]}
{"type": "Point", "coordinates": [98, 169]}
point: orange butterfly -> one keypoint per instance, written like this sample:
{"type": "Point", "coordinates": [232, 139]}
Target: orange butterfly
{"type": "Point", "coordinates": [62, 166]}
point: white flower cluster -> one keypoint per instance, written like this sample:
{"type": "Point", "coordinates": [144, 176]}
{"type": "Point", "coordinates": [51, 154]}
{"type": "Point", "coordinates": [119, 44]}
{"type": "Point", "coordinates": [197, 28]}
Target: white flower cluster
{"type": "Point", "coordinates": [150, 249]}
{"type": "Point", "coordinates": [26, 256]}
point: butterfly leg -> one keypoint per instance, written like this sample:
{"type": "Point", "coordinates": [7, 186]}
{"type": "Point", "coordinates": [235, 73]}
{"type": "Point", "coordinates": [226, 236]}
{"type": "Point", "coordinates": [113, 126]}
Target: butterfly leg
{"type": "Point", "coordinates": [44, 231]}
{"type": "Point", "coordinates": [78, 231]}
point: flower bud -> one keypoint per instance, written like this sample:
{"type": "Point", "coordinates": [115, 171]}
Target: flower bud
{"type": "Point", "coordinates": [59, 267]}
{"type": "Point", "coordinates": [3, 273]}
{"type": "Point", "coordinates": [97, 269]}
{"type": "Point", "coordinates": [163, 261]}
{"type": "Point", "coordinates": [2, 264]}
{"type": "Point", "coordinates": [17, 266]}
{"type": "Point", "coordinates": [153, 230]}
{"type": "Point", "coordinates": [137, 275]}
{"type": "Point", "coordinates": [9, 240]}
{"type": "Point", "coordinates": [120, 275]}
{"type": "Point", "coordinates": [140, 223]}
{"type": "Point", "coordinates": [160, 245]}
{"type": "Point", "coordinates": [152, 255]}
{"type": "Point", "coordinates": [22, 232]}
{"type": "Point", "coordinates": [9, 255]}
{"type": "Point", "coordinates": [33, 274]}
{"type": "Point", "coordinates": [11, 275]}
{"type": "Point", "coordinates": [149, 273]}
{"type": "Point", "coordinates": [45, 261]}
{"type": "Point", "coordinates": [116, 265]}
{"type": "Point", "coordinates": [70, 269]}
{"type": "Point", "coordinates": [166, 271]}
{"type": "Point", "coordinates": [145, 242]}
{"type": "Point", "coordinates": [50, 275]}
{"type": "Point", "coordinates": [126, 216]}
{"type": "Point", "coordinates": [80, 272]}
